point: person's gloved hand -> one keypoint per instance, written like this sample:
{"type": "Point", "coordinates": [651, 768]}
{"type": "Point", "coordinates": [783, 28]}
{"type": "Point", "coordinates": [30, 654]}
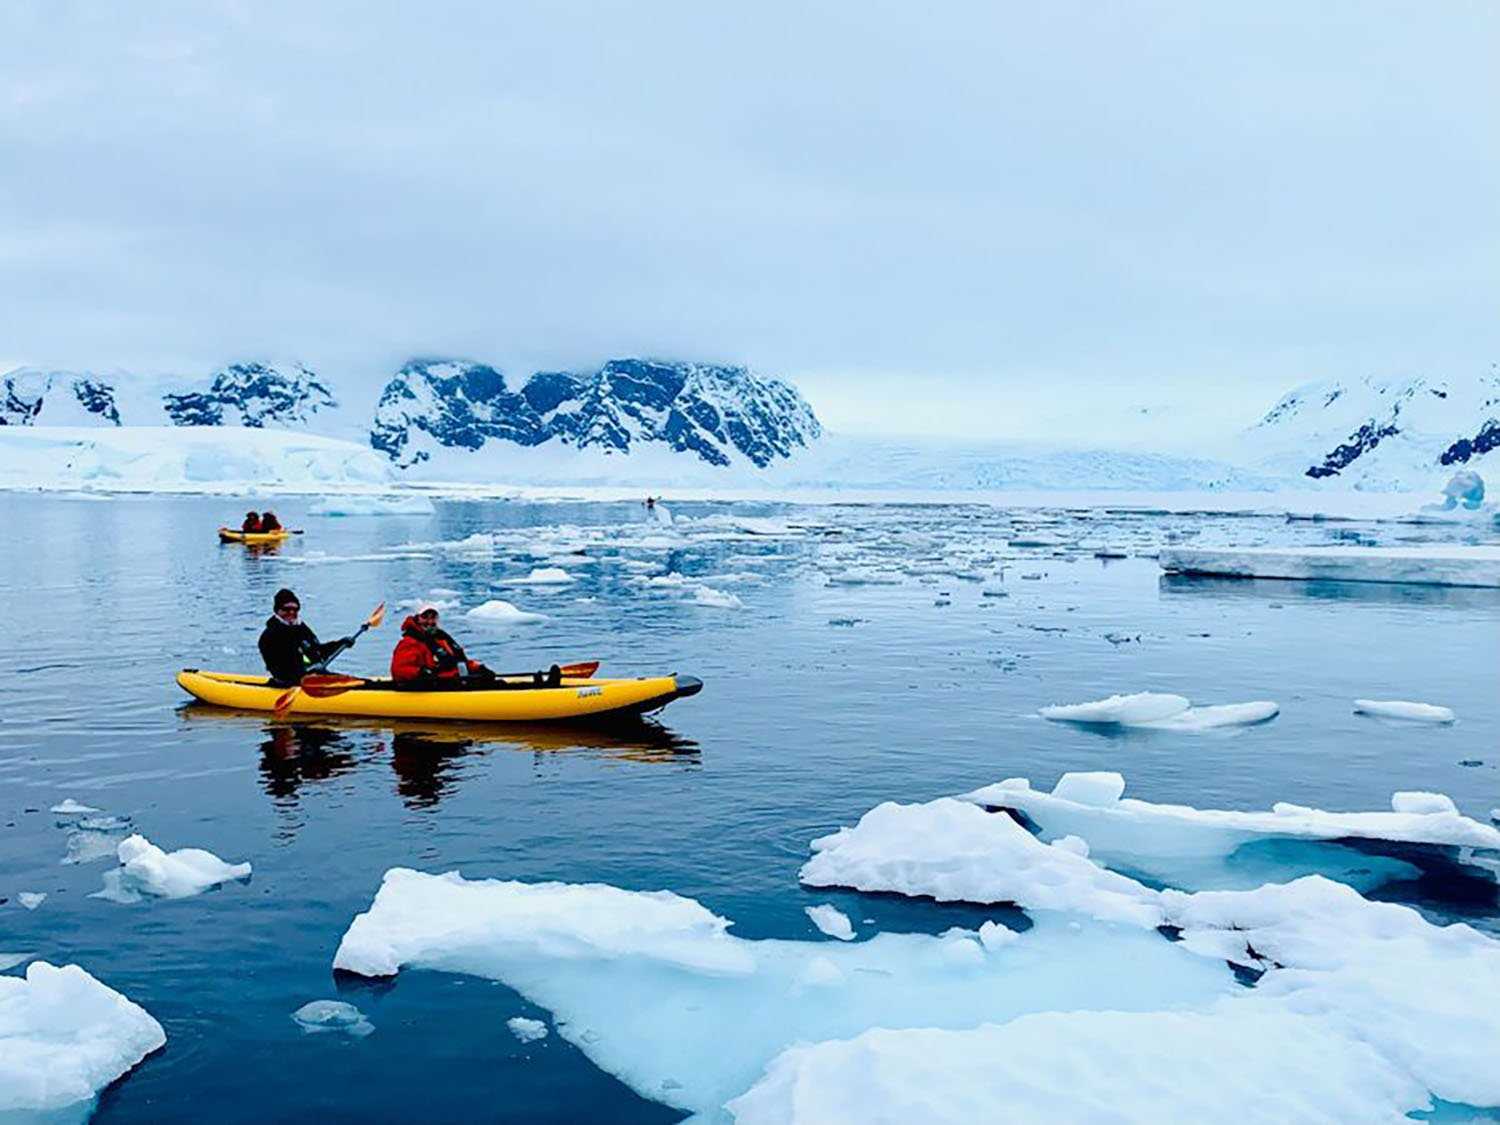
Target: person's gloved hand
{"type": "Point", "coordinates": [348, 642]}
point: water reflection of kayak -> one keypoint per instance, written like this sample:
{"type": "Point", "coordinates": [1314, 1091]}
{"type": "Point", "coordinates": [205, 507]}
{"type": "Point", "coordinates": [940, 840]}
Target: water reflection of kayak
{"type": "Point", "coordinates": [229, 535]}
{"type": "Point", "coordinates": [574, 698]}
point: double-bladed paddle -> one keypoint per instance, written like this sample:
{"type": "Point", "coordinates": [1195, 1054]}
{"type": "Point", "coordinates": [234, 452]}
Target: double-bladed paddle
{"type": "Point", "coordinates": [285, 700]}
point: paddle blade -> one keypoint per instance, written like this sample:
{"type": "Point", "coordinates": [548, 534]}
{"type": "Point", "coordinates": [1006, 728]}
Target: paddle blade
{"type": "Point", "coordinates": [321, 685]}
{"type": "Point", "coordinates": [580, 671]}
{"type": "Point", "coordinates": [377, 617]}
{"type": "Point", "coordinates": [285, 700]}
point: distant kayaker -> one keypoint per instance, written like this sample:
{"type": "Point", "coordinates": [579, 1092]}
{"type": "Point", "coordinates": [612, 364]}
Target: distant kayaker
{"type": "Point", "coordinates": [425, 651]}
{"type": "Point", "coordinates": [269, 522]}
{"type": "Point", "coordinates": [289, 648]}
{"type": "Point", "coordinates": [251, 523]}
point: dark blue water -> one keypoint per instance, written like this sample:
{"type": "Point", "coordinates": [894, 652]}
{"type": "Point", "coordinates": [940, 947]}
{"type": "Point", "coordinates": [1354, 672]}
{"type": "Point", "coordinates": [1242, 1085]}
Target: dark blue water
{"type": "Point", "coordinates": [820, 701]}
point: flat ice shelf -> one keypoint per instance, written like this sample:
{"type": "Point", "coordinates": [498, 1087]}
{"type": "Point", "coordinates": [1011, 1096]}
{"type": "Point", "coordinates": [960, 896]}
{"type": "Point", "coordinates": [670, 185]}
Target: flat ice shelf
{"type": "Point", "coordinates": [1431, 566]}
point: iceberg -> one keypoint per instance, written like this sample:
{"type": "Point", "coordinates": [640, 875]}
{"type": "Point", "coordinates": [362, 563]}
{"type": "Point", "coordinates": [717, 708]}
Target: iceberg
{"type": "Point", "coordinates": [499, 612]}
{"type": "Point", "coordinates": [147, 871]}
{"type": "Point", "coordinates": [1432, 565]}
{"type": "Point", "coordinates": [64, 1036]}
{"type": "Point", "coordinates": [1401, 709]}
{"type": "Point", "coordinates": [653, 989]}
{"type": "Point", "coordinates": [542, 576]}
{"type": "Point", "coordinates": [1184, 846]}
{"type": "Point", "coordinates": [70, 807]}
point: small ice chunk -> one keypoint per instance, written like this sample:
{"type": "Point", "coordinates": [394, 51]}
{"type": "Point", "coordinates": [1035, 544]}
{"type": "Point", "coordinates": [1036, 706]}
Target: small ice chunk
{"type": "Point", "coordinates": [1403, 709]}
{"type": "Point", "coordinates": [31, 899]}
{"type": "Point", "coordinates": [526, 1030]}
{"type": "Point", "coordinates": [716, 599]}
{"type": "Point", "coordinates": [1223, 715]}
{"type": "Point", "coordinates": [993, 936]}
{"type": "Point", "coordinates": [1140, 707]}
{"type": "Point", "coordinates": [1417, 801]}
{"type": "Point", "coordinates": [543, 576]}
{"type": "Point", "coordinates": [147, 870]}
{"type": "Point", "coordinates": [1098, 789]}
{"type": "Point", "coordinates": [70, 807]}
{"type": "Point", "coordinates": [831, 920]}
{"type": "Point", "coordinates": [64, 1037]}
{"type": "Point", "coordinates": [499, 612]}
{"type": "Point", "coordinates": [318, 1016]}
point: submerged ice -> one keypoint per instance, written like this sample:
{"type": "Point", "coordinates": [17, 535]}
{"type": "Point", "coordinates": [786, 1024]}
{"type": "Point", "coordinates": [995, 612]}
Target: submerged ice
{"type": "Point", "coordinates": [1161, 711]}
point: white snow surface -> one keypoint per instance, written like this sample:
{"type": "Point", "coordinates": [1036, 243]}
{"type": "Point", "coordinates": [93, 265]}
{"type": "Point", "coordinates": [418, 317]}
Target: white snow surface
{"type": "Point", "coordinates": [500, 612]}
{"type": "Point", "coordinates": [1185, 846]}
{"type": "Point", "coordinates": [1125, 1068]}
{"type": "Point", "coordinates": [525, 1029]}
{"type": "Point", "coordinates": [1403, 709]}
{"type": "Point", "coordinates": [64, 1036]}
{"type": "Point", "coordinates": [955, 851]}
{"type": "Point", "coordinates": [830, 920]}
{"type": "Point", "coordinates": [1431, 565]}
{"type": "Point", "coordinates": [203, 459]}
{"type": "Point", "coordinates": [146, 870]}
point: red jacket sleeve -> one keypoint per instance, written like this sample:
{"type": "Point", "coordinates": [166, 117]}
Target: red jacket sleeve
{"type": "Point", "coordinates": [410, 660]}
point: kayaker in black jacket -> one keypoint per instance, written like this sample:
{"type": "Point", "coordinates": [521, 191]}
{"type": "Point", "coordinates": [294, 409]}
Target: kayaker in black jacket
{"type": "Point", "coordinates": [289, 648]}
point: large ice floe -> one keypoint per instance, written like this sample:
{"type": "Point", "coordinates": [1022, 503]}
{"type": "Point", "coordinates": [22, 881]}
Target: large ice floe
{"type": "Point", "coordinates": [64, 1036]}
{"type": "Point", "coordinates": [1404, 710]}
{"type": "Point", "coordinates": [1431, 565]}
{"type": "Point", "coordinates": [1219, 989]}
{"type": "Point", "coordinates": [1184, 846]}
{"type": "Point", "coordinates": [1161, 711]}
{"type": "Point", "coordinates": [147, 871]}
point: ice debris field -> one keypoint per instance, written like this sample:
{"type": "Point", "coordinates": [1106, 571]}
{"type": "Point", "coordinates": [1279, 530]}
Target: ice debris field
{"type": "Point", "coordinates": [1267, 991]}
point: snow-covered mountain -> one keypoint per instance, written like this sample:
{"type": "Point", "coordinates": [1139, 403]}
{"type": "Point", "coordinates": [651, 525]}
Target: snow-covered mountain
{"type": "Point", "coordinates": [720, 415]}
{"type": "Point", "coordinates": [1381, 433]}
{"type": "Point", "coordinates": [30, 396]}
{"type": "Point", "coordinates": [255, 395]}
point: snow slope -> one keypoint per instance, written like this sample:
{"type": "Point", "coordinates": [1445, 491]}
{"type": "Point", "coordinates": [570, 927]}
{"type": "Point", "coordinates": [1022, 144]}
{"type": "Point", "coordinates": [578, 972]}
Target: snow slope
{"type": "Point", "coordinates": [1411, 433]}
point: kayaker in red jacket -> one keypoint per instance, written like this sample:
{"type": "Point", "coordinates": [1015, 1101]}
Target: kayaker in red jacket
{"type": "Point", "coordinates": [251, 522]}
{"type": "Point", "coordinates": [426, 652]}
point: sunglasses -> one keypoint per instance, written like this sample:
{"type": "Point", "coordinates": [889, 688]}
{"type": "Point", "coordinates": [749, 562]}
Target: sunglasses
{"type": "Point", "coordinates": [293, 610]}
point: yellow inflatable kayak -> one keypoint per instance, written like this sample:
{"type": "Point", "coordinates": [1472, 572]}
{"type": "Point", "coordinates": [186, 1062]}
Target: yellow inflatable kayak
{"type": "Point", "coordinates": [519, 700]}
{"type": "Point", "coordinates": [229, 535]}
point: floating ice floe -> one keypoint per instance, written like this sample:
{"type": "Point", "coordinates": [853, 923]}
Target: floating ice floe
{"type": "Point", "coordinates": [1162, 711]}
{"type": "Point", "coordinates": [1404, 710]}
{"type": "Point", "coordinates": [1435, 564]}
{"type": "Point", "coordinates": [373, 506]}
{"type": "Point", "coordinates": [831, 920]}
{"type": "Point", "coordinates": [1213, 848]}
{"type": "Point", "coordinates": [499, 612]}
{"type": "Point", "coordinates": [145, 870]}
{"type": "Point", "coordinates": [525, 1029]}
{"type": "Point", "coordinates": [70, 807]}
{"type": "Point", "coordinates": [11, 960]}
{"type": "Point", "coordinates": [30, 900]}
{"type": "Point", "coordinates": [1126, 1068]}
{"type": "Point", "coordinates": [319, 1016]}
{"type": "Point", "coordinates": [716, 599]}
{"type": "Point", "coordinates": [954, 851]}
{"type": "Point", "coordinates": [654, 990]}
{"type": "Point", "coordinates": [863, 576]}
{"type": "Point", "coordinates": [542, 576]}
{"type": "Point", "coordinates": [64, 1036]}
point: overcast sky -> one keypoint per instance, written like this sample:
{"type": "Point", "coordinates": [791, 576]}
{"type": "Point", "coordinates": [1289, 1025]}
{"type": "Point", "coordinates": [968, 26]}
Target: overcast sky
{"type": "Point", "coordinates": [977, 219]}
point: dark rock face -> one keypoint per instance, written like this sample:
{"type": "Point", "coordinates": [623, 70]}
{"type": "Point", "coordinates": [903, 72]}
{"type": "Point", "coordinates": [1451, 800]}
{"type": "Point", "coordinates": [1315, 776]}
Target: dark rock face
{"type": "Point", "coordinates": [455, 403]}
{"type": "Point", "coordinates": [710, 411]}
{"type": "Point", "coordinates": [1365, 439]}
{"type": "Point", "coordinates": [261, 395]}
{"type": "Point", "coordinates": [24, 392]}
{"type": "Point", "coordinates": [1484, 441]}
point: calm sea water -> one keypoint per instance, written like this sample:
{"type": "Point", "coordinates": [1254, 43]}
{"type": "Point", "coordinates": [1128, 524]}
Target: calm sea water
{"type": "Point", "coordinates": [822, 699]}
